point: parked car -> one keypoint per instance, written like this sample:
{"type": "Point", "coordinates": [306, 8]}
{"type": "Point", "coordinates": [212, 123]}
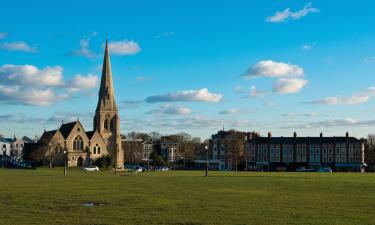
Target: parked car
{"type": "Point", "coordinates": [303, 169]}
{"type": "Point", "coordinates": [91, 168]}
{"type": "Point", "coordinates": [325, 169]}
{"type": "Point", "coordinates": [138, 169]}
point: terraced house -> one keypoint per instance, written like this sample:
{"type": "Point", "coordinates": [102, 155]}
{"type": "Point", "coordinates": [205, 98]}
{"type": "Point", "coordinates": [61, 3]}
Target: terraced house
{"type": "Point", "coordinates": [343, 153]}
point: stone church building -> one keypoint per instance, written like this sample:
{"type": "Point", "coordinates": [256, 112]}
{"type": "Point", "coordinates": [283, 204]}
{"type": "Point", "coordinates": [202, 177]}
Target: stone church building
{"type": "Point", "coordinates": [82, 147]}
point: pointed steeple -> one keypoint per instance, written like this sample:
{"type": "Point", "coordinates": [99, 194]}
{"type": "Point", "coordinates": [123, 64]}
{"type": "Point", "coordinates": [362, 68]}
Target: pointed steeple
{"type": "Point", "coordinates": [106, 119]}
{"type": "Point", "coordinates": [106, 92]}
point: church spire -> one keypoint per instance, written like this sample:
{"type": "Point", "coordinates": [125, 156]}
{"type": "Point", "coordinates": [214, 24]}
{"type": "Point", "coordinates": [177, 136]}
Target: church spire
{"type": "Point", "coordinates": [106, 92]}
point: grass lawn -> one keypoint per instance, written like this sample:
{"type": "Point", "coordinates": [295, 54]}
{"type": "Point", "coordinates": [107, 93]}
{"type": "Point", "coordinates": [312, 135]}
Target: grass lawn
{"type": "Point", "coordinates": [45, 196]}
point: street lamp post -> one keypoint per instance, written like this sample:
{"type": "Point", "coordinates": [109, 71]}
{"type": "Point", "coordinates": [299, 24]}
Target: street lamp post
{"type": "Point", "coordinates": [206, 147]}
{"type": "Point", "coordinates": [65, 156]}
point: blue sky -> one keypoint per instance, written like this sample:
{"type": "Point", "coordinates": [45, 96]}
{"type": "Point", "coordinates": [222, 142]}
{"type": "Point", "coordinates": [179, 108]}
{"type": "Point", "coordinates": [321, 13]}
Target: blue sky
{"type": "Point", "coordinates": [192, 66]}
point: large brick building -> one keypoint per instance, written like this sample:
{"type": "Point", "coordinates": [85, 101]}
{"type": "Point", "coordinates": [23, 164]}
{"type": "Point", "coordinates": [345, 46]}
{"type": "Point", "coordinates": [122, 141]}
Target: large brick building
{"type": "Point", "coordinates": [343, 153]}
{"type": "Point", "coordinates": [227, 149]}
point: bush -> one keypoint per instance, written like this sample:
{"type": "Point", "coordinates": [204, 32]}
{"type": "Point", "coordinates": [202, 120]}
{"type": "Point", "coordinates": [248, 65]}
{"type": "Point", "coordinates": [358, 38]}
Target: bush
{"type": "Point", "coordinates": [103, 162]}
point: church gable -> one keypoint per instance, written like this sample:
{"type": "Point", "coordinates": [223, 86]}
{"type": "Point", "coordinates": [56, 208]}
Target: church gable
{"type": "Point", "coordinates": [49, 136]}
{"type": "Point", "coordinates": [98, 146]}
{"type": "Point", "coordinates": [76, 137]}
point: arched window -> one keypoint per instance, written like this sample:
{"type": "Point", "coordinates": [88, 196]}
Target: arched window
{"type": "Point", "coordinates": [106, 124]}
{"type": "Point", "coordinates": [78, 144]}
{"type": "Point", "coordinates": [96, 149]}
{"type": "Point", "coordinates": [112, 125]}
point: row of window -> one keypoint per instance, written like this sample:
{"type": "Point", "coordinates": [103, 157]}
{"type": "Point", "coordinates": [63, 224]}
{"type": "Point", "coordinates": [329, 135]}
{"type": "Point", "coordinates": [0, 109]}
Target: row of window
{"type": "Point", "coordinates": [303, 158]}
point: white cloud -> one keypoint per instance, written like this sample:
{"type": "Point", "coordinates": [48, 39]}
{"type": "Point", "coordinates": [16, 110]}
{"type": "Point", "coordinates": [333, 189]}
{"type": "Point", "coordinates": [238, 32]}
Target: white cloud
{"type": "Point", "coordinates": [201, 95]}
{"type": "Point", "coordinates": [29, 96]}
{"type": "Point", "coordinates": [171, 110]}
{"type": "Point", "coordinates": [29, 85]}
{"type": "Point", "coordinates": [82, 83]}
{"type": "Point", "coordinates": [84, 47]}
{"type": "Point", "coordinates": [142, 78]}
{"type": "Point", "coordinates": [269, 68]}
{"type": "Point", "coordinates": [31, 75]}
{"type": "Point", "coordinates": [270, 104]}
{"type": "Point", "coordinates": [238, 89]}
{"type": "Point", "coordinates": [341, 122]}
{"type": "Point", "coordinates": [255, 93]}
{"type": "Point", "coordinates": [354, 99]}
{"type": "Point", "coordinates": [292, 114]}
{"type": "Point", "coordinates": [229, 111]}
{"type": "Point", "coordinates": [307, 47]}
{"type": "Point", "coordinates": [287, 14]}
{"type": "Point", "coordinates": [124, 47]}
{"type": "Point", "coordinates": [369, 60]}
{"type": "Point", "coordinates": [288, 85]}
{"type": "Point", "coordinates": [19, 46]}
{"type": "Point", "coordinates": [3, 35]}
{"type": "Point", "coordinates": [349, 100]}
{"type": "Point", "coordinates": [165, 34]}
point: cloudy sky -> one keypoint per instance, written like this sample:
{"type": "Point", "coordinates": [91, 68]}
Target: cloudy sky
{"type": "Point", "coordinates": [192, 66]}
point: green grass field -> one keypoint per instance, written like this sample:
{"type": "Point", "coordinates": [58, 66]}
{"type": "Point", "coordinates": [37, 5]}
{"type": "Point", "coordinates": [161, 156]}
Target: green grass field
{"type": "Point", "coordinates": [45, 196]}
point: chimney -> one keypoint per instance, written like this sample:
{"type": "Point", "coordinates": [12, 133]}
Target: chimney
{"type": "Point", "coordinates": [269, 135]}
{"type": "Point", "coordinates": [321, 134]}
{"type": "Point", "coordinates": [295, 134]}
{"type": "Point", "coordinates": [347, 135]}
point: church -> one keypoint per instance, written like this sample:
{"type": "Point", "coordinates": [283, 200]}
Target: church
{"type": "Point", "coordinates": [79, 147]}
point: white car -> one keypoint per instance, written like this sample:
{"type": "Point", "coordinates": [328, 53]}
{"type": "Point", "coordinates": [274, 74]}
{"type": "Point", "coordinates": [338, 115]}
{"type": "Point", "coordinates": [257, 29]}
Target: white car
{"type": "Point", "coordinates": [91, 168]}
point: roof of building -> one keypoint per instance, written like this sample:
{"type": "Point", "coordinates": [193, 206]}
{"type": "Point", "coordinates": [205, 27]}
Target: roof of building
{"type": "Point", "coordinates": [8, 139]}
{"type": "Point", "coordinates": [5, 140]}
{"type": "Point", "coordinates": [132, 140]}
{"type": "Point", "coordinates": [147, 142]}
{"type": "Point", "coordinates": [47, 135]}
{"type": "Point", "coordinates": [286, 140]}
{"type": "Point", "coordinates": [66, 128]}
{"type": "Point", "coordinates": [90, 134]}
{"type": "Point", "coordinates": [50, 133]}
{"type": "Point", "coordinates": [27, 139]}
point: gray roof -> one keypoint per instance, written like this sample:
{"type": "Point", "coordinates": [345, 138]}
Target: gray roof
{"type": "Point", "coordinates": [5, 140]}
{"type": "Point", "coordinates": [66, 128]}
{"type": "Point", "coordinates": [288, 140]}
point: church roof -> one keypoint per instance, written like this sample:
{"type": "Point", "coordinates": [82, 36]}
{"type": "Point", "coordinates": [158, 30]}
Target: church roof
{"type": "Point", "coordinates": [90, 134]}
{"type": "Point", "coordinates": [47, 135]}
{"type": "Point", "coordinates": [66, 128]}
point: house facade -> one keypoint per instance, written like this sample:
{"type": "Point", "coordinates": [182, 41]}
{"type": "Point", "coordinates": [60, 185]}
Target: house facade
{"type": "Point", "coordinates": [170, 150]}
{"type": "Point", "coordinates": [148, 147]}
{"type": "Point", "coordinates": [137, 150]}
{"type": "Point", "coordinates": [343, 153]}
{"type": "Point", "coordinates": [227, 149]}
{"type": "Point", "coordinates": [5, 146]}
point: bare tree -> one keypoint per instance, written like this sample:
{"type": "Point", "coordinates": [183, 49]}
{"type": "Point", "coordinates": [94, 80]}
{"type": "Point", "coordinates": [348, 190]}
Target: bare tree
{"type": "Point", "coordinates": [155, 135]}
{"type": "Point", "coordinates": [52, 152]}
